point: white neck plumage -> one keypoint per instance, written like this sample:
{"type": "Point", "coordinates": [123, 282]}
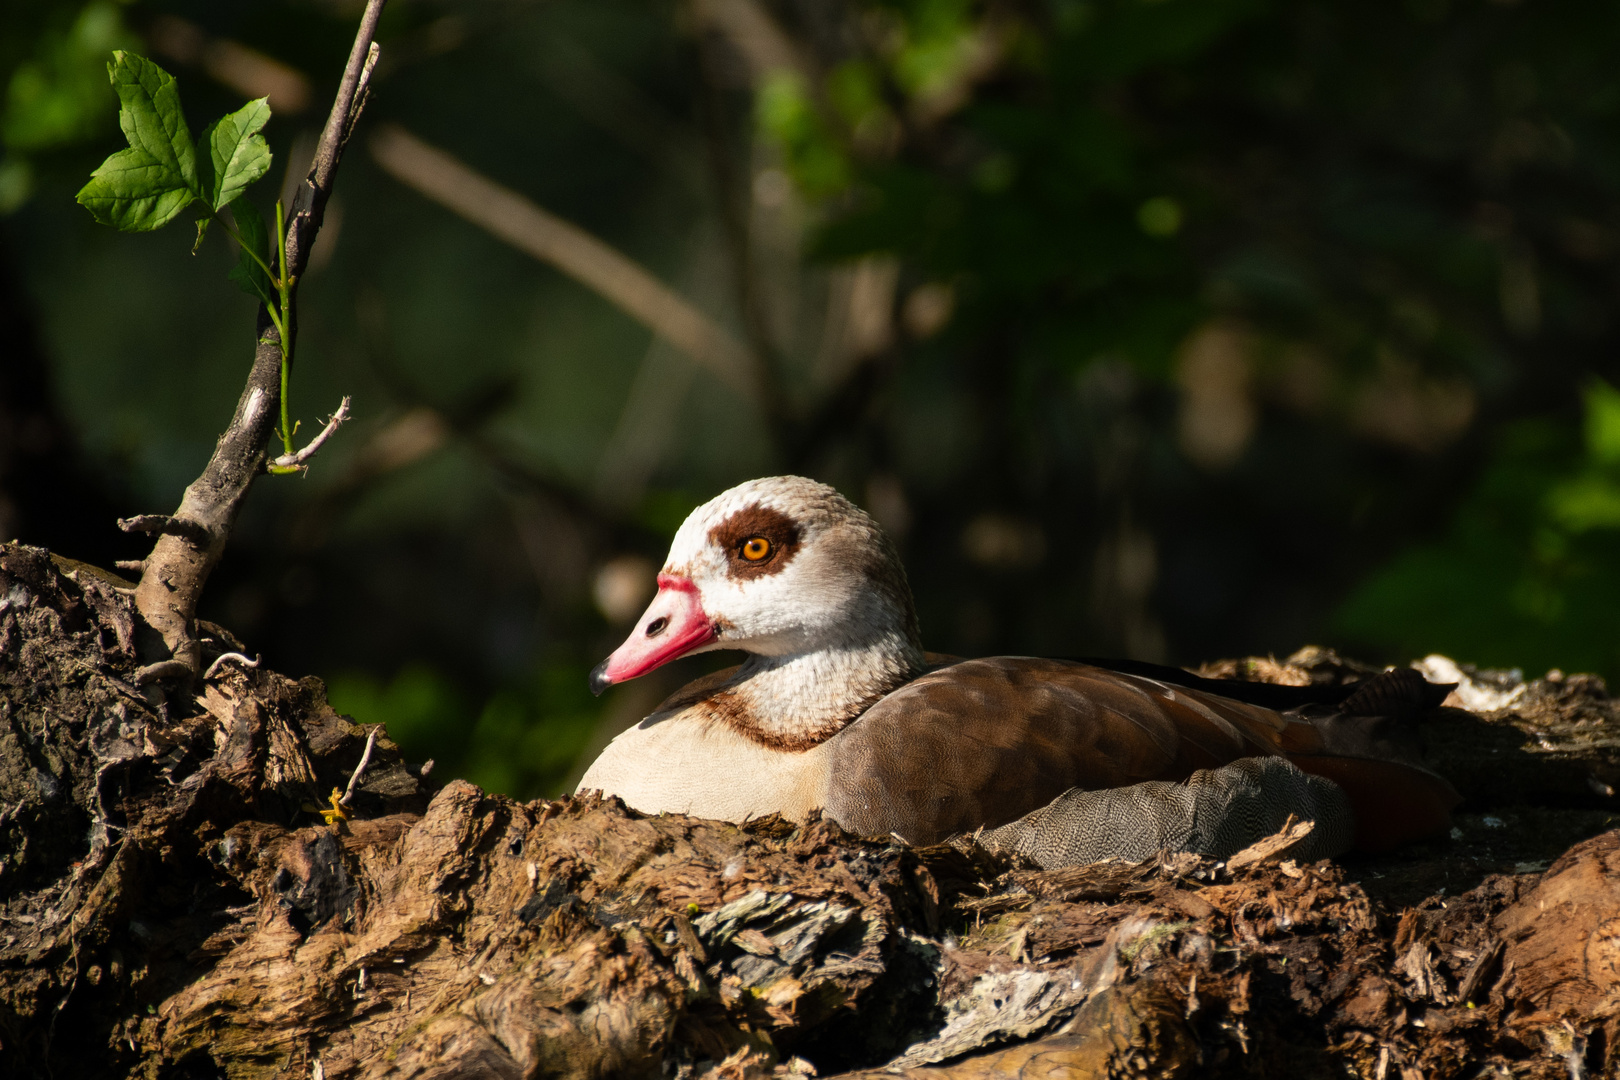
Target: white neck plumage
{"type": "Point", "coordinates": [797, 701]}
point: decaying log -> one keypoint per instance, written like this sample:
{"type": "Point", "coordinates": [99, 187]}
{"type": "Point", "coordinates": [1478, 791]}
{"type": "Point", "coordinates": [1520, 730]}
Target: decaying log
{"type": "Point", "coordinates": [174, 903]}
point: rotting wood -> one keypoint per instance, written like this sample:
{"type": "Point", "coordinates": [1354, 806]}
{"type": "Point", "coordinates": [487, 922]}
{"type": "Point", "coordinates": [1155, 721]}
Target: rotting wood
{"type": "Point", "coordinates": [172, 904]}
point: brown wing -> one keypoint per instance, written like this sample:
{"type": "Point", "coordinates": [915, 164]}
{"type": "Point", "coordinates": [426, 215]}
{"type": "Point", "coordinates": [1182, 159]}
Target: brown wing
{"type": "Point", "coordinates": [984, 742]}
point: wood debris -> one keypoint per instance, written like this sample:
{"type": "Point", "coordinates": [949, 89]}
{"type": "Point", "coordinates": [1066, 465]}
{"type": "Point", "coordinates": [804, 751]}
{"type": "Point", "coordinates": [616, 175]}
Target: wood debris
{"type": "Point", "coordinates": [170, 895]}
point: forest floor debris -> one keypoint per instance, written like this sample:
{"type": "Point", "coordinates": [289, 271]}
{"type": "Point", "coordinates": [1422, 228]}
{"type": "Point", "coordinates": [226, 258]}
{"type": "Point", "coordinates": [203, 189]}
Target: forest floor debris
{"type": "Point", "coordinates": [171, 899]}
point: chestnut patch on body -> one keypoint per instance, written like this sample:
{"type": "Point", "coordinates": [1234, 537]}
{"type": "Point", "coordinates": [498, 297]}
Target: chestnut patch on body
{"type": "Point", "coordinates": [732, 708]}
{"type": "Point", "coordinates": [719, 699]}
{"type": "Point", "coordinates": [732, 534]}
{"type": "Point", "coordinates": [734, 711]}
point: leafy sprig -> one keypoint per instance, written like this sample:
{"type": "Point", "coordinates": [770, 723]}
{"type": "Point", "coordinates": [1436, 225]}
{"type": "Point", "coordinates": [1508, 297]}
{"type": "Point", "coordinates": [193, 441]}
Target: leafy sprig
{"type": "Point", "coordinates": [164, 173]}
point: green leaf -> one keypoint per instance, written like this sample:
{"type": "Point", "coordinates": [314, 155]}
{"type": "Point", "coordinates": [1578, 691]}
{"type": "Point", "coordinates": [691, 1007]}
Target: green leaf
{"type": "Point", "coordinates": [247, 273]}
{"type": "Point", "coordinates": [151, 116]}
{"type": "Point", "coordinates": [202, 231]}
{"type": "Point", "coordinates": [148, 185]}
{"type": "Point", "coordinates": [133, 192]}
{"type": "Point", "coordinates": [237, 154]}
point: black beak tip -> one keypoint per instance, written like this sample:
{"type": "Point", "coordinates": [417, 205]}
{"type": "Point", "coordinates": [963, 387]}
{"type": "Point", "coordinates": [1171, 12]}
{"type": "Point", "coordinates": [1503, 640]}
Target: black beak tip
{"type": "Point", "coordinates": [599, 680]}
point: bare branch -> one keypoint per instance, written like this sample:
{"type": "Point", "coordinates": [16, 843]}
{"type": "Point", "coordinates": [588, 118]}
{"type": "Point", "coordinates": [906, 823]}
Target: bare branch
{"type": "Point", "coordinates": [754, 32]}
{"type": "Point", "coordinates": [230, 63]}
{"type": "Point", "coordinates": [518, 221]}
{"type": "Point", "coordinates": [288, 462]}
{"type": "Point", "coordinates": [309, 205]}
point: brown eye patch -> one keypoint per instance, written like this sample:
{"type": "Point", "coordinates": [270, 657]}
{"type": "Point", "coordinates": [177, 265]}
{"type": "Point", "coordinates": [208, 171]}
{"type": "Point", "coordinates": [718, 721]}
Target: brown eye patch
{"type": "Point", "coordinates": [757, 540]}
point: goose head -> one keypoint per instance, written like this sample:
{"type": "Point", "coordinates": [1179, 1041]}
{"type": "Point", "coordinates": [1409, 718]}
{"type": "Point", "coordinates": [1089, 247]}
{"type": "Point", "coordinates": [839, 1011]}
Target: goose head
{"type": "Point", "coordinates": [783, 568]}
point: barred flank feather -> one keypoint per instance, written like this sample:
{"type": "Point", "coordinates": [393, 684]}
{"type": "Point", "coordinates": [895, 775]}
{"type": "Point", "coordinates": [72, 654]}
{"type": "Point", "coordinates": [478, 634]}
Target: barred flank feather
{"type": "Point", "coordinates": [1217, 812]}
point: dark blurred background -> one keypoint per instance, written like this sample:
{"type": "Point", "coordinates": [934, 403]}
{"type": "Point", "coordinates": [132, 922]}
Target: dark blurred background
{"type": "Point", "coordinates": [1169, 329]}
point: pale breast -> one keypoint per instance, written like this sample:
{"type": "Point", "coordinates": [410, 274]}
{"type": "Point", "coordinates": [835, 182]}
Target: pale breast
{"type": "Point", "coordinates": [688, 764]}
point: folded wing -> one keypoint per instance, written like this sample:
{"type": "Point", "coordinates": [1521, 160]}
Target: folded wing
{"type": "Point", "coordinates": [981, 743]}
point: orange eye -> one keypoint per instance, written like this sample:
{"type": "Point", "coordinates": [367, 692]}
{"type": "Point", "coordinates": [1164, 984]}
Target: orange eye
{"type": "Point", "coordinates": [756, 549]}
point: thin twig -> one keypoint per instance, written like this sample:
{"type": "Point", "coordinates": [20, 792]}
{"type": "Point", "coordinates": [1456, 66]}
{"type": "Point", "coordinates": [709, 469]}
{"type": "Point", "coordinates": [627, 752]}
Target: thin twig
{"type": "Point", "coordinates": [360, 769]}
{"type": "Point", "coordinates": [219, 661]}
{"type": "Point", "coordinates": [309, 205]}
{"type": "Point", "coordinates": [165, 524]}
{"type": "Point", "coordinates": [298, 459]}
{"type": "Point", "coordinates": [519, 222]}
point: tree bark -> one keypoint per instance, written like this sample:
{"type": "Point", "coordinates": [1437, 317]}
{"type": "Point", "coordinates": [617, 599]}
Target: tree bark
{"type": "Point", "coordinates": [172, 904]}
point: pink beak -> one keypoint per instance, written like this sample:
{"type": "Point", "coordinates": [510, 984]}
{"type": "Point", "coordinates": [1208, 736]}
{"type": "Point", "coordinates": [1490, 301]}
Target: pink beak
{"type": "Point", "coordinates": [673, 626]}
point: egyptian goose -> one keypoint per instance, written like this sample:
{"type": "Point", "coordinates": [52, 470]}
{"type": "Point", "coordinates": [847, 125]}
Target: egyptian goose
{"type": "Point", "coordinates": [838, 708]}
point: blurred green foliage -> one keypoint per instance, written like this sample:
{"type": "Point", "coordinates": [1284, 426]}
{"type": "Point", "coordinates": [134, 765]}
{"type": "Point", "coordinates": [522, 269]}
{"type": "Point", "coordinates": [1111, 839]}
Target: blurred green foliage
{"type": "Point", "coordinates": [1528, 574]}
{"type": "Point", "coordinates": [1174, 329]}
{"type": "Point", "coordinates": [1422, 194]}
{"type": "Point", "coordinates": [525, 738]}
{"type": "Point", "coordinates": [56, 93]}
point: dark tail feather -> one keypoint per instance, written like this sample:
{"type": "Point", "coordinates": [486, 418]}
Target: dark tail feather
{"type": "Point", "coordinates": [1399, 692]}
{"type": "Point", "coordinates": [1266, 695]}
{"type": "Point", "coordinates": [1370, 748]}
